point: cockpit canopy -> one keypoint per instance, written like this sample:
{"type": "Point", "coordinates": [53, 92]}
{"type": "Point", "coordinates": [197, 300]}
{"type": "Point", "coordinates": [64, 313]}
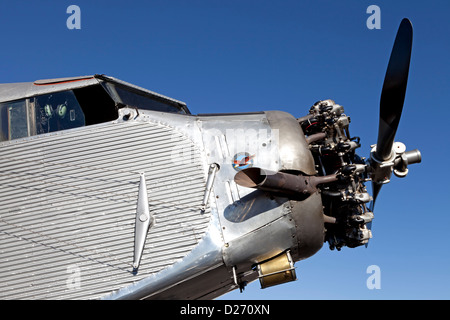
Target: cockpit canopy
{"type": "Point", "coordinates": [43, 106]}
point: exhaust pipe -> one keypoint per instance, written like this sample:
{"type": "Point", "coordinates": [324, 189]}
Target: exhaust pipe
{"type": "Point", "coordinates": [281, 182]}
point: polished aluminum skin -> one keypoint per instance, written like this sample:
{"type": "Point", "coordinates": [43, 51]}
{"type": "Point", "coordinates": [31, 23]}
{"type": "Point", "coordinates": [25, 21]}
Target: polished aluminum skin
{"type": "Point", "coordinates": [73, 216]}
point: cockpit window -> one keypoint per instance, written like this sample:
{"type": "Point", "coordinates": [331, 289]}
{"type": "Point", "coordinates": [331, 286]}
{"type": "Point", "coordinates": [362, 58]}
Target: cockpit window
{"type": "Point", "coordinates": [140, 100]}
{"type": "Point", "coordinates": [75, 108]}
{"type": "Point", "coordinates": [57, 111]}
{"type": "Point", "coordinates": [14, 120]}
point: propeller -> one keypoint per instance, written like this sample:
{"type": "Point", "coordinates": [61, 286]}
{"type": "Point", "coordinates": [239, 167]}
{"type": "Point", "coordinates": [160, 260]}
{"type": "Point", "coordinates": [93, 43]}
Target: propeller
{"type": "Point", "coordinates": [394, 90]}
{"type": "Point", "coordinates": [387, 154]}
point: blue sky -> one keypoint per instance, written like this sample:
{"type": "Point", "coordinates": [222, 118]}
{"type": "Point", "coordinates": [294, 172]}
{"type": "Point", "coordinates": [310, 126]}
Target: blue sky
{"type": "Point", "coordinates": [239, 56]}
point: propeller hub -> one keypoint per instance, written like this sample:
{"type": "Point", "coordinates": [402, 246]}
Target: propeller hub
{"type": "Point", "coordinates": [381, 170]}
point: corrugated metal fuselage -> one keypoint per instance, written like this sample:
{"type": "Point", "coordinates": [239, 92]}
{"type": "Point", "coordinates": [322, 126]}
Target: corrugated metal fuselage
{"type": "Point", "coordinates": [68, 206]}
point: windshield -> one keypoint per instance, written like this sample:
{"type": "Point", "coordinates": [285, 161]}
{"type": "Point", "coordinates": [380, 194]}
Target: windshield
{"type": "Point", "coordinates": [141, 100]}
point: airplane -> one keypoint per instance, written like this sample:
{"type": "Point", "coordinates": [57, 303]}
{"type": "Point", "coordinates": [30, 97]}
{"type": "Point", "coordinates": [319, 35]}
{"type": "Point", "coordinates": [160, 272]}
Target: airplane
{"type": "Point", "coordinates": [113, 191]}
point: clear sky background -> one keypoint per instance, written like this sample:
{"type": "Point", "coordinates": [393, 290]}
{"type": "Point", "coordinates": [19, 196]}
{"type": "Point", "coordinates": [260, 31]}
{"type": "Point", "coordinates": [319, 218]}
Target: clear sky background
{"type": "Point", "coordinates": [240, 56]}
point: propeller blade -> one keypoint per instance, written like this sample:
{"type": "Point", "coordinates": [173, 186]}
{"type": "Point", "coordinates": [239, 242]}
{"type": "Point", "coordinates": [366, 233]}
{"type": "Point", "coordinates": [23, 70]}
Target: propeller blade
{"type": "Point", "coordinates": [394, 89]}
{"type": "Point", "coordinates": [376, 187]}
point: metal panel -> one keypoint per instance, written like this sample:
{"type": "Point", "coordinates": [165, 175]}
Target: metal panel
{"type": "Point", "coordinates": [223, 138]}
{"type": "Point", "coordinates": [294, 152]}
{"type": "Point", "coordinates": [68, 204]}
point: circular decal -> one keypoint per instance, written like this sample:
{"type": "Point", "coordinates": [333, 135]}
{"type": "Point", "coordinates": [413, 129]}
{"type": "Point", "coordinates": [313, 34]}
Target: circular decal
{"type": "Point", "coordinates": [242, 160]}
